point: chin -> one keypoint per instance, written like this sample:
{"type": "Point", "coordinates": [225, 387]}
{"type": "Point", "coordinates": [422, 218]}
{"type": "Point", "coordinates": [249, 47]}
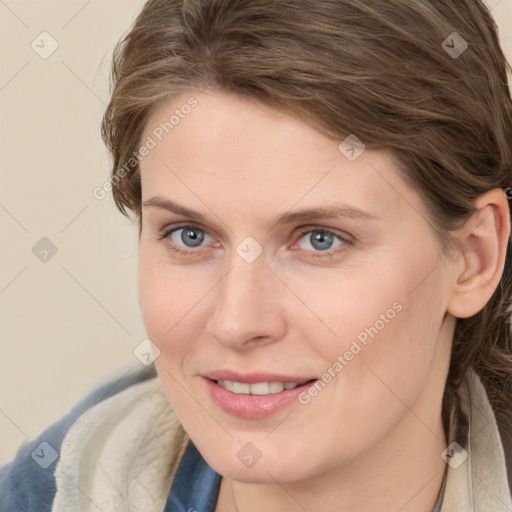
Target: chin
{"type": "Point", "coordinates": [265, 470]}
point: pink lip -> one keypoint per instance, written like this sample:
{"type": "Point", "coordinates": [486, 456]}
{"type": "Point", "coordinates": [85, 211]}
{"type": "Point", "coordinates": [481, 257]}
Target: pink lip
{"type": "Point", "coordinates": [254, 406]}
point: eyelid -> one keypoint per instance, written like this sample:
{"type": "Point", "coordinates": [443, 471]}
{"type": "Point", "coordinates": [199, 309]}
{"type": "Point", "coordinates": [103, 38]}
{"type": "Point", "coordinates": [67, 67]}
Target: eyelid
{"type": "Point", "coordinates": [170, 228]}
{"type": "Point", "coordinates": [342, 235]}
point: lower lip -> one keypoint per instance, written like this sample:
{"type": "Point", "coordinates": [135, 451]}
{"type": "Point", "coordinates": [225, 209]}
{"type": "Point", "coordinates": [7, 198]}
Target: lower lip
{"type": "Point", "coordinates": [253, 406]}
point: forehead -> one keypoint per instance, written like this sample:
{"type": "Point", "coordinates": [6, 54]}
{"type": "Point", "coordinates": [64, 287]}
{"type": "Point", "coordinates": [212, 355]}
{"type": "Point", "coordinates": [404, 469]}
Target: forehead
{"type": "Point", "coordinates": [226, 145]}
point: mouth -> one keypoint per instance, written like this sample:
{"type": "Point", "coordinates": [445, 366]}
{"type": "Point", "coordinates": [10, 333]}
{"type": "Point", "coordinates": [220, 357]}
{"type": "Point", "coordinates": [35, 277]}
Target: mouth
{"type": "Point", "coordinates": [255, 400]}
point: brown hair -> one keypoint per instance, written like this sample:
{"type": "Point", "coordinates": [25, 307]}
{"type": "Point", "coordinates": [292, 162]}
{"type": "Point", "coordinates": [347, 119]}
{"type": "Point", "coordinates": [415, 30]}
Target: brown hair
{"type": "Point", "coordinates": [388, 71]}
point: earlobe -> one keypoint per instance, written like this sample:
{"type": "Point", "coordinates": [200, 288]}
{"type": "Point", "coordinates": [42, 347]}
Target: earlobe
{"type": "Point", "coordinates": [485, 237]}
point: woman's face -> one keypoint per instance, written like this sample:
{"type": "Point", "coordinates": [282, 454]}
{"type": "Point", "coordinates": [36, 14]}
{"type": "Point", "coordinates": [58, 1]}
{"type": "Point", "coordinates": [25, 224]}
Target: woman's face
{"type": "Point", "coordinates": [270, 253]}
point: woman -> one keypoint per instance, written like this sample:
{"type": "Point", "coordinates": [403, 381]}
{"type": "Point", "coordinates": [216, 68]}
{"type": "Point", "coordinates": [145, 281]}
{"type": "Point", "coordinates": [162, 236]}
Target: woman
{"type": "Point", "coordinates": [321, 191]}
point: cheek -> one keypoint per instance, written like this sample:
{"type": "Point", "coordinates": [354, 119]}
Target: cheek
{"type": "Point", "coordinates": [167, 295]}
{"type": "Point", "coordinates": [161, 311]}
{"type": "Point", "coordinates": [357, 306]}
{"type": "Point", "coordinates": [385, 331]}
{"type": "Point", "coordinates": [174, 307]}
{"type": "Point", "coordinates": [156, 302]}
{"type": "Point", "coordinates": [166, 304]}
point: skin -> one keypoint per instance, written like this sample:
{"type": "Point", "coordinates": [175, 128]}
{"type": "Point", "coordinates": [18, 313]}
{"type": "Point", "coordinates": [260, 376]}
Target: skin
{"type": "Point", "coordinates": [372, 438]}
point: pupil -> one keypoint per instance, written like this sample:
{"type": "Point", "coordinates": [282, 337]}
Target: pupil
{"type": "Point", "coordinates": [320, 240]}
{"type": "Point", "coordinates": [192, 237]}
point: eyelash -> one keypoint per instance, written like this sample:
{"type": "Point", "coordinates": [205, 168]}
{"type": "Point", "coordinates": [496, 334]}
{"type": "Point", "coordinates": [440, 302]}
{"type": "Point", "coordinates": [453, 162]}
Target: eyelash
{"type": "Point", "coordinates": [166, 232]}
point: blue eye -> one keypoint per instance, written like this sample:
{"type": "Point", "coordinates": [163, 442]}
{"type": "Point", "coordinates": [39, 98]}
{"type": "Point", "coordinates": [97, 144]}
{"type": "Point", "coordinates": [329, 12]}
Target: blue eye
{"type": "Point", "coordinates": [188, 236]}
{"type": "Point", "coordinates": [191, 237]}
{"type": "Point", "coordinates": [320, 240]}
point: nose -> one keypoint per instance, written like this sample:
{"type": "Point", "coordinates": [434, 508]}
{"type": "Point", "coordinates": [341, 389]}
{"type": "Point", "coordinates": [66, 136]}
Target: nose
{"type": "Point", "coordinates": [248, 307]}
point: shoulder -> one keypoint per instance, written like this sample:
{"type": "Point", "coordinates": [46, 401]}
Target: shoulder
{"type": "Point", "coordinates": [507, 447]}
{"type": "Point", "coordinates": [27, 483]}
{"type": "Point", "coordinates": [490, 451]}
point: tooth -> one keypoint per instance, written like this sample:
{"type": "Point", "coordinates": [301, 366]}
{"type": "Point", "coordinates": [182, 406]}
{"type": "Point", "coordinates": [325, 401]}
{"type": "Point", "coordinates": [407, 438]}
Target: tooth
{"type": "Point", "coordinates": [259, 388]}
{"type": "Point", "coordinates": [275, 387]}
{"type": "Point", "coordinates": [241, 387]}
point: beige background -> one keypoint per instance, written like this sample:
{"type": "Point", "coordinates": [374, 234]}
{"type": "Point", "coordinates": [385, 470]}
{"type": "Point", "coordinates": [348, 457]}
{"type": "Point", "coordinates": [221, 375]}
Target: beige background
{"type": "Point", "coordinates": [72, 321]}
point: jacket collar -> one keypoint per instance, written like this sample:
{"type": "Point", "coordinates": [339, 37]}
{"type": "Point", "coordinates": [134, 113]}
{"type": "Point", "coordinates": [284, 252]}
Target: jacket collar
{"type": "Point", "coordinates": [123, 454]}
{"type": "Point", "coordinates": [477, 477]}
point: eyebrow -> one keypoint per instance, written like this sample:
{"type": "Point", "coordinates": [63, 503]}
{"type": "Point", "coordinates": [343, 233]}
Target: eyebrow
{"type": "Point", "coordinates": [286, 218]}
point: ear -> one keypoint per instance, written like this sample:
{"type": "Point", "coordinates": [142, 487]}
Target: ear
{"type": "Point", "coordinates": [485, 238]}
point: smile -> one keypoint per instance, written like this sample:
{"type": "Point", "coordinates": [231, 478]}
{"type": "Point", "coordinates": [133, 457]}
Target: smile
{"type": "Point", "coordinates": [254, 400]}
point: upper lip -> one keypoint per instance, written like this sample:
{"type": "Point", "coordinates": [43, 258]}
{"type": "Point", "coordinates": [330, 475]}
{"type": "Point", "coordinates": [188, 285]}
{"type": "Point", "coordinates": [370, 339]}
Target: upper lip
{"type": "Point", "coordinates": [253, 377]}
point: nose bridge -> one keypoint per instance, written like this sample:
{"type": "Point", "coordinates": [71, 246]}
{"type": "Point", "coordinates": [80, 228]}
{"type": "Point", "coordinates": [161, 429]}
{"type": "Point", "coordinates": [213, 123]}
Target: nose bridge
{"type": "Point", "coordinates": [243, 285]}
{"type": "Point", "coordinates": [246, 304]}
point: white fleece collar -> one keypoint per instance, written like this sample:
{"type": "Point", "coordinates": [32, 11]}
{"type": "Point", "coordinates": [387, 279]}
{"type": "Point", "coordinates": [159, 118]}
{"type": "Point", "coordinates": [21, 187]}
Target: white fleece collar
{"type": "Point", "coordinates": [122, 454]}
{"type": "Point", "coordinates": [480, 483]}
{"type": "Point", "coordinates": [116, 457]}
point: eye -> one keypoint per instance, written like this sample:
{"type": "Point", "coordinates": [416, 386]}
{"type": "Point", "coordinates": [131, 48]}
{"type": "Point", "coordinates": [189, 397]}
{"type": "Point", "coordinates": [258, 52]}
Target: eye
{"type": "Point", "coordinates": [187, 236]}
{"type": "Point", "coordinates": [320, 240]}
